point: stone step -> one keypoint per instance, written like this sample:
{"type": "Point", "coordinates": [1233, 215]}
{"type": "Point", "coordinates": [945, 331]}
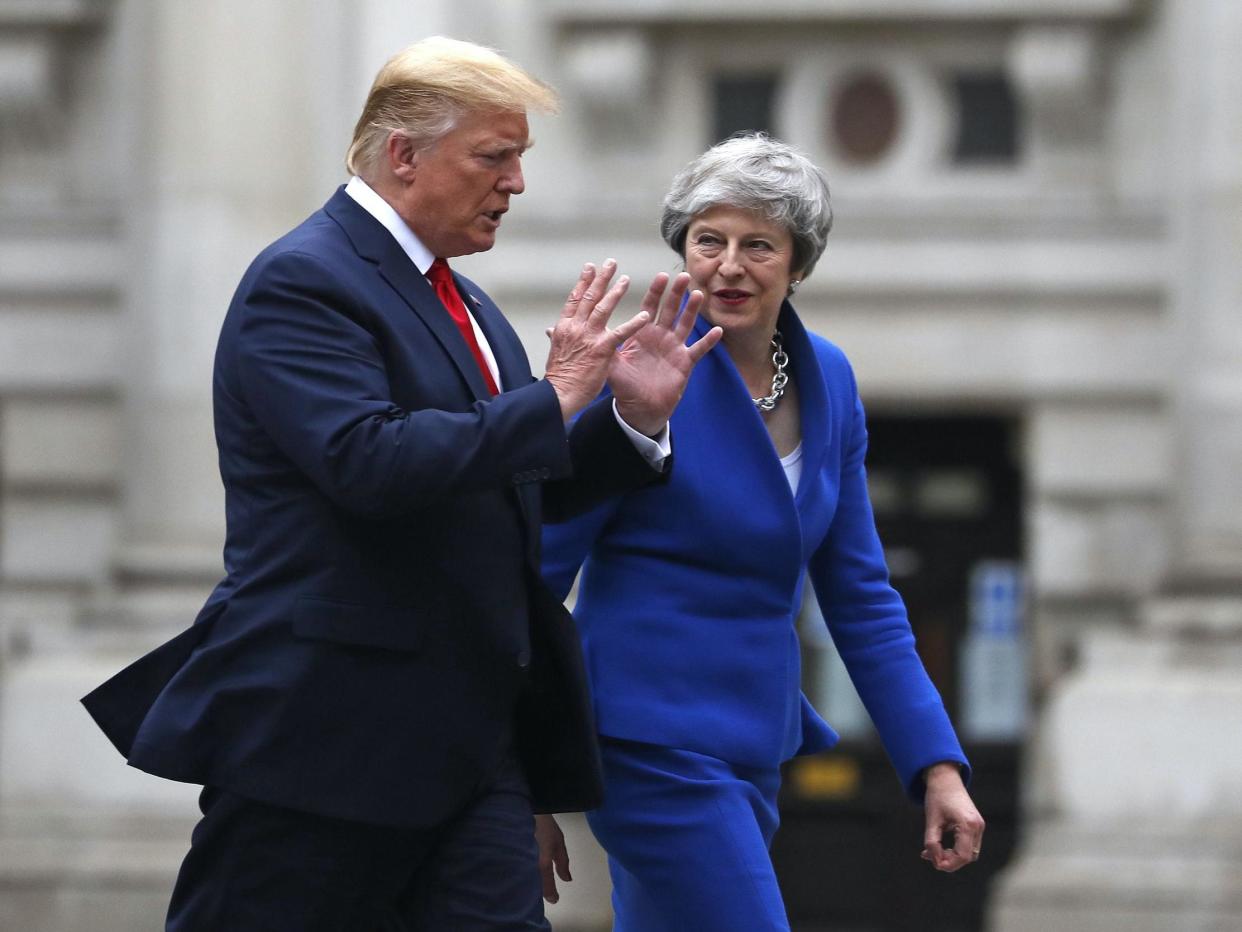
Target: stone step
{"type": "Point", "coordinates": [113, 871]}
{"type": "Point", "coordinates": [1104, 877]}
{"type": "Point", "coordinates": [67, 871]}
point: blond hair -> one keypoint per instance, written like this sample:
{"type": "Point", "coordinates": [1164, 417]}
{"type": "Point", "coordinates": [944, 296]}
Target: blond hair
{"type": "Point", "coordinates": [425, 88]}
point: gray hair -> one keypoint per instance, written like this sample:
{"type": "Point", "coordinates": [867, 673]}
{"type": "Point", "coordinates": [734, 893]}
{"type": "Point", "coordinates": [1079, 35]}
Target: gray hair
{"type": "Point", "coordinates": [755, 172]}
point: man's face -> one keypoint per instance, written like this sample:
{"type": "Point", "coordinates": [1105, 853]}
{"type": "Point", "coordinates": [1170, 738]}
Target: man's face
{"type": "Point", "coordinates": [463, 182]}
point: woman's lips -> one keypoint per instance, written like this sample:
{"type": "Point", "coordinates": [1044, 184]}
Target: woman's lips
{"type": "Point", "coordinates": [731, 295]}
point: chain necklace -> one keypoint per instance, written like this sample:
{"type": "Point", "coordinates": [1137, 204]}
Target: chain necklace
{"type": "Point", "coordinates": [779, 379]}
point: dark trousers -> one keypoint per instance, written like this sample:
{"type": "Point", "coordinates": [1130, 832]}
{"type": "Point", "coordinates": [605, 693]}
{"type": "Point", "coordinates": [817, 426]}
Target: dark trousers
{"type": "Point", "coordinates": [254, 867]}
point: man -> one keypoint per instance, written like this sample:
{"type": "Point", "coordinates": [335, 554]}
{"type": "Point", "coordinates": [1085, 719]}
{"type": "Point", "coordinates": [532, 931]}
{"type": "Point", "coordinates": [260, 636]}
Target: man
{"type": "Point", "coordinates": [381, 686]}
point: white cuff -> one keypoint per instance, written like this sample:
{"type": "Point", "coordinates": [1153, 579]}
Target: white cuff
{"type": "Point", "coordinates": [655, 450]}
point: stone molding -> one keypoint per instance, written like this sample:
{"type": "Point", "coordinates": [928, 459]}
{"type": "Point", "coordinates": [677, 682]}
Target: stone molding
{"type": "Point", "coordinates": [34, 35]}
{"type": "Point", "coordinates": [832, 11]}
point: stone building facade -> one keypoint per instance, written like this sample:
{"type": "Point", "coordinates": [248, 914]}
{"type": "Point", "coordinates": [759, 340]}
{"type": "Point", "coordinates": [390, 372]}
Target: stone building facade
{"type": "Point", "coordinates": [1075, 273]}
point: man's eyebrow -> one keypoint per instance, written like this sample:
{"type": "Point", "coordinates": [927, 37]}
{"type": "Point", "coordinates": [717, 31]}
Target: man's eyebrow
{"type": "Point", "coordinates": [504, 146]}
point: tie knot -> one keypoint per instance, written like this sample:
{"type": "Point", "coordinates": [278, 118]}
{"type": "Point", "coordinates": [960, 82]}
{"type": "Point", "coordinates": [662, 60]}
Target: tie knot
{"type": "Point", "coordinates": [439, 273]}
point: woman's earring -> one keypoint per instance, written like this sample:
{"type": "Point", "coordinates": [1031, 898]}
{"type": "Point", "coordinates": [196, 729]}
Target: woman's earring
{"type": "Point", "coordinates": [793, 285]}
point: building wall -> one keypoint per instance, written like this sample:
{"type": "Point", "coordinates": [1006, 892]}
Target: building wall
{"type": "Point", "coordinates": [148, 150]}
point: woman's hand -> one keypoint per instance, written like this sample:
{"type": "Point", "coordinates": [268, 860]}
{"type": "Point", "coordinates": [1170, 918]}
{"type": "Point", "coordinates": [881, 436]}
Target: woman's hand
{"type": "Point", "coordinates": [649, 373]}
{"type": "Point", "coordinates": [552, 853]}
{"type": "Point", "coordinates": [949, 809]}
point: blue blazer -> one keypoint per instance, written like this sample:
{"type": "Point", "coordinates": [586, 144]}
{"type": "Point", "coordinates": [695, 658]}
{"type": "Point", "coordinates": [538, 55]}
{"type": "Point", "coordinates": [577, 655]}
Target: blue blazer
{"type": "Point", "coordinates": [690, 590]}
{"type": "Point", "coordinates": [382, 633]}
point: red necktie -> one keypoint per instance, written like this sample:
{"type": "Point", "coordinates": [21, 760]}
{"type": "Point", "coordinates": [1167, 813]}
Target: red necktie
{"type": "Point", "coordinates": [446, 290]}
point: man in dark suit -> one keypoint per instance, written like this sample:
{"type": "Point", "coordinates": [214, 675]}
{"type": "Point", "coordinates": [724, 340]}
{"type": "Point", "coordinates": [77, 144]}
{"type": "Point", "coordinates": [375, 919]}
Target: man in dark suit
{"type": "Point", "coordinates": [381, 690]}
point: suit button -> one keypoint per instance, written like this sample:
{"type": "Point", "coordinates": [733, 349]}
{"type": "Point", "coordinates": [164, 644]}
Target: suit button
{"type": "Point", "coordinates": [523, 659]}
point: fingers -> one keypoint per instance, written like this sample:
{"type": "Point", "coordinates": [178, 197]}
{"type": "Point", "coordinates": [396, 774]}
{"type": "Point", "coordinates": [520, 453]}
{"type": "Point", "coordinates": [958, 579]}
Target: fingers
{"type": "Point", "coordinates": [672, 305]}
{"type": "Point", "coordinates": [966, 849]}
{"type": "Point", "coordinates": [685, 323]}
{"type": "Point", "coordinates": [550, 893]}
{"type": "Point", "coordinates": [933, 851]}
{"type": "Point", "coordinates": [700, 347]}
{"type": "Point", "coordinates": [552, 852]}
{"type": "Point", "coordinates": [967, 846]}
{"type": "Point", "coordinates": [603, 309]}
{"type": "Point", "coordinates": [665, 303]}
{"type": "Point", "coordinates": [579, 289]}
{"type": "Point", "coordinates": [651, 300]}
{"type": "Point", "coordinates": [554, 863]}
{"type": "Point", "coordinates": [560, 859]}
{"type": "Point", "coordinates": [968, 839]}
{"type": "Point", "coordinates": [631, 327]}
{"type": "Point", "coordinates": [590, 289]}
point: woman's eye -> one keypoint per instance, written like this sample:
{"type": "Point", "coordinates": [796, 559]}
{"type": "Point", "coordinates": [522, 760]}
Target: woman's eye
{"type": "Point", "coordinates": [760, 244]}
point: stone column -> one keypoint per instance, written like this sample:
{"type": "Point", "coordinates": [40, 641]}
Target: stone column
{"type": "Point", "coordinates": [228, 114]}
{"type": "Point", "coordinates": [1205, 181]}
{"type": "Point", "coordinates": [225, 158]}
{"type": "Point", "coordinates": [1136, 819]}
{"type": "Point", "coordinates": [225, 163]}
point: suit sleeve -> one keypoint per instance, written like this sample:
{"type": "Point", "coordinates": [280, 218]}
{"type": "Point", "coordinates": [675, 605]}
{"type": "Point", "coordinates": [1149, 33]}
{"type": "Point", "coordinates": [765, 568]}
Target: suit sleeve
{"type": "Point", "coordinates": [315, 379]}
{"type": "Point", "coordinates": [566, 545]}
{"type": "Point", "coordinates": [606, 464]}
{"type": "Point", "coordinates": [868, 623]}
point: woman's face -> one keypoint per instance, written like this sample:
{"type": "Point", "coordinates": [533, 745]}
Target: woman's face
{"type": "Point", "coordinates": [741, 261]}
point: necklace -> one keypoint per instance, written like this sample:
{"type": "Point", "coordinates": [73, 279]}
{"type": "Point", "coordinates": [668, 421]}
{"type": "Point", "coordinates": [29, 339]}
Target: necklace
{"type": "Point", "coordinates": [779, 379]}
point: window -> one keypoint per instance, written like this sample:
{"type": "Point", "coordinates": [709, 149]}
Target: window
{"type": "Point", "coordinates": [742, 102]}
{"type": "Point", "coordinates": [987, 119]}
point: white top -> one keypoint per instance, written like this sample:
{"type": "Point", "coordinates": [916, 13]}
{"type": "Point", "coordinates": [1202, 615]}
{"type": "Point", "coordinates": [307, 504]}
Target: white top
{"type": "Point", "coordinates": [653, 450]}
{"type": "Point", "coordinates": [792, 464]}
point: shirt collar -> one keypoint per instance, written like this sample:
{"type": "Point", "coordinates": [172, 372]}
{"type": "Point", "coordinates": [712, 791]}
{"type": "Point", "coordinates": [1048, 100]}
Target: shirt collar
{"type": "Point", "coordinates": [381, 210]}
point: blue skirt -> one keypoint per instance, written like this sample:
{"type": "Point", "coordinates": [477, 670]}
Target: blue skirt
{"type": "Point", "coordinates": [687, 837]}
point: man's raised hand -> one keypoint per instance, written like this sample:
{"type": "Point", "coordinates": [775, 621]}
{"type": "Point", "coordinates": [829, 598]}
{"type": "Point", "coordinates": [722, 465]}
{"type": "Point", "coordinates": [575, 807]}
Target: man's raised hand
{"type": "Point", "coordinates": [583, 346]}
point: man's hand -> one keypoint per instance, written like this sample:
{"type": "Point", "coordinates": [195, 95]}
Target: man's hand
{"type": "Point", "coordinates": [582, 345]}
{"type": "Point", "coordinates": [552, 853]}
{"type": "Point", "coordinates": [949, 809]}
{"type": "Point", "coordinates": [649, 374]}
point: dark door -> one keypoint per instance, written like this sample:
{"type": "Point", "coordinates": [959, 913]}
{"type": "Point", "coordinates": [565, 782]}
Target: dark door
{"type": "Point", "coordinates": [947, 497]}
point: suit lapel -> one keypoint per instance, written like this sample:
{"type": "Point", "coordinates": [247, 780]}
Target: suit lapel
{"type": "Point", "coordinates": [417, 292]}
{"type": "Point", "coordinates": [514, 370]}
{"type": "Point", "coordinates": [724, 453]}
{"type": "Point", "coordinates": [376, 244]}
{"type": "Point", "coordinates": [814, 408]}
{"type": "Point", "coordinates": [731, 430]}
{"type": "Point", "coordinates": [506, 348]}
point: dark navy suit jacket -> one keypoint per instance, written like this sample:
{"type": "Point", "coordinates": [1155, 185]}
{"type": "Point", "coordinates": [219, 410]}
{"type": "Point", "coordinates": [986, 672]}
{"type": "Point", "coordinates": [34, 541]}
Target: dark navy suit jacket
{"type": "Point", "coordinates": [690, 590]}
{"type": "Point", "coordinates": [382, 632]}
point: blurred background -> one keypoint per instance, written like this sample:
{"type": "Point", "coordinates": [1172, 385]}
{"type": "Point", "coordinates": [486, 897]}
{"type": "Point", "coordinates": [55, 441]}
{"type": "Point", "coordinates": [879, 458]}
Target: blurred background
{"type": "Point", "coordinates": [1036, 270]}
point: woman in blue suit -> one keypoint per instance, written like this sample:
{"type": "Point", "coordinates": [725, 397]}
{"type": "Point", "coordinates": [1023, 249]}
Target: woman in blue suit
{"type": "Point", "coordinates": [689, 589]}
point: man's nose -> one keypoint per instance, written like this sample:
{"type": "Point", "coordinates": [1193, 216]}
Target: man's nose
{"type": "Point", "coordinates": [512, 181]}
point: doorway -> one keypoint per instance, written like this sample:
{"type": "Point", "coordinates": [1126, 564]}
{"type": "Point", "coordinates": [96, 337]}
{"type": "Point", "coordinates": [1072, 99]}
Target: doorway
{"type": "Point", "coordinates": [947, 495]}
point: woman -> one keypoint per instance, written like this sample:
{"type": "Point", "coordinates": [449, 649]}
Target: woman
{"type": "Point", "coordinates": [690, 589]}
